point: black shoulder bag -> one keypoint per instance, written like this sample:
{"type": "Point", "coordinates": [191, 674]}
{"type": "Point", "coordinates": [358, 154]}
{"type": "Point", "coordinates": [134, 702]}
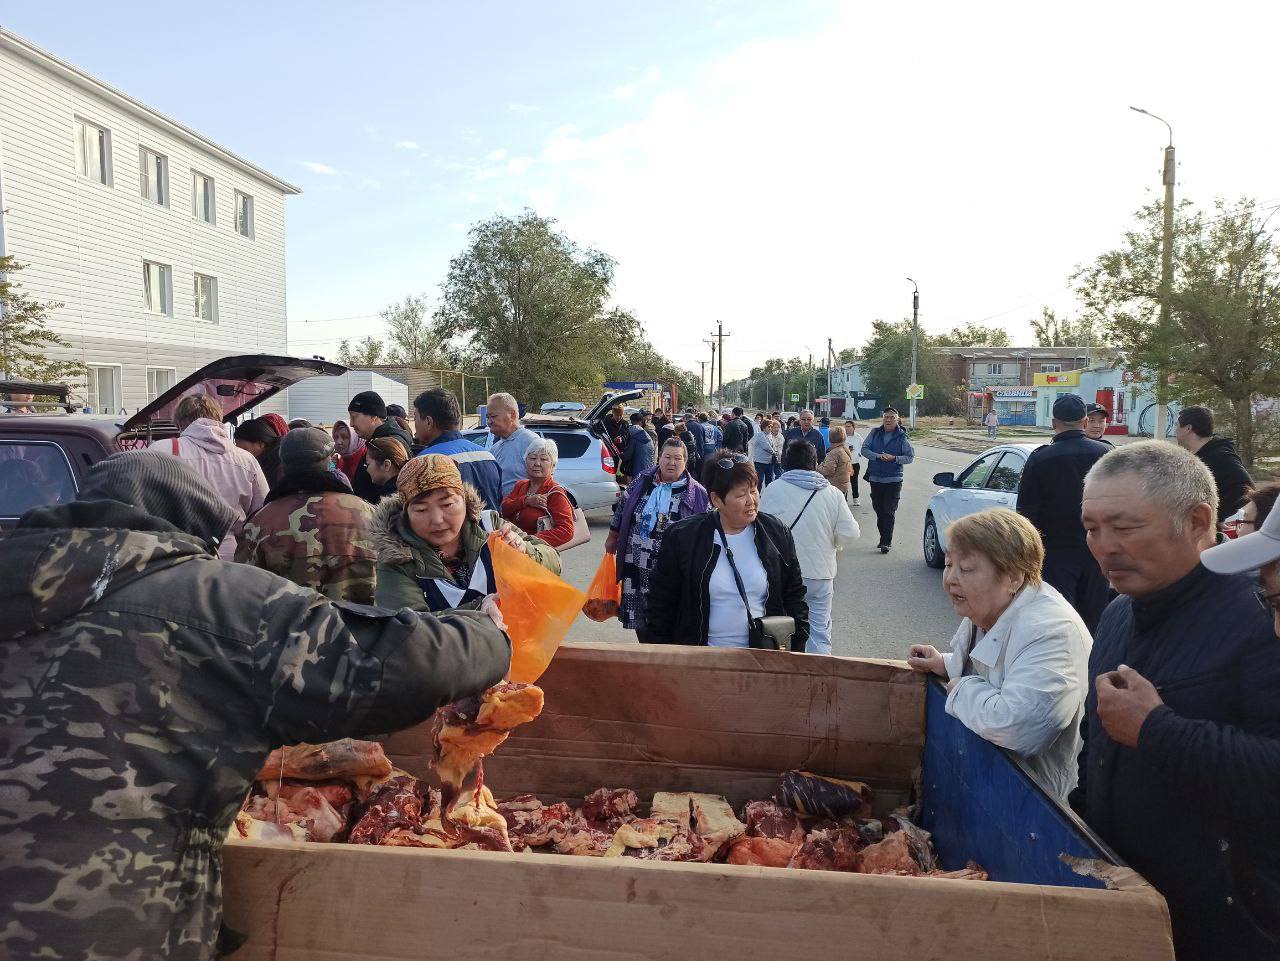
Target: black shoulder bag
{"type": "Point", "coordinates": [756, 636]}
{"type": "Point", "coordinates": [812, 495]}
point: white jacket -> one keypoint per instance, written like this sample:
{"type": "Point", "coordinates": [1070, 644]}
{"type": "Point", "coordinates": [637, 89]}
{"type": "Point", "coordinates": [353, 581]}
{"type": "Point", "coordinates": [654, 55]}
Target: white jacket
{"type": "Point", "coordinates": [826, 526]}
{"type": "Point", "coordinates": [234, 473]}
{"type": "Point", "coordinates": [765, 448]}
{"type": "Point", "coordinates": [1027, 692]}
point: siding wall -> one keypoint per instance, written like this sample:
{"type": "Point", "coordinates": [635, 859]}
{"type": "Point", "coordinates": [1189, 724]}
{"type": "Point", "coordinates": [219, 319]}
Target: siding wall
{"type": "Point", "coordinates": [323, 400]}
{"type": "Point", "coordinates": [85, 242]}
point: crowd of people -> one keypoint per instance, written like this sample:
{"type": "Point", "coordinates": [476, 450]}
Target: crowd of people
{"type": "Point", "coordinates": [1107, 637]}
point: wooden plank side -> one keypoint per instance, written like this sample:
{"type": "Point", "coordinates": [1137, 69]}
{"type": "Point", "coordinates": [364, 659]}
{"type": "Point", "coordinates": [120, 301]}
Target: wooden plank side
{"type": "Point", "coordinates": [312, 901]}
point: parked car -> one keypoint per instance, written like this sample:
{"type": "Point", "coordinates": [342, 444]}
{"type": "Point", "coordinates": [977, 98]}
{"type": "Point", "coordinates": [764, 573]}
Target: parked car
{"type": "Point", "coordinates": [44, 457]}
{"type": "Point", "coordinates": [990, 481]}
{"type": "Point", "coordinates": [563, 407]}
{"type": "Point", "coordinates": [587, 466]}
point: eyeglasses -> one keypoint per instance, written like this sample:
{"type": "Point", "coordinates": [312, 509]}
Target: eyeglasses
{"type": "Point", "coordinates": [1269, 602]}
{"type": "Point", "coordinates": [727, 463]}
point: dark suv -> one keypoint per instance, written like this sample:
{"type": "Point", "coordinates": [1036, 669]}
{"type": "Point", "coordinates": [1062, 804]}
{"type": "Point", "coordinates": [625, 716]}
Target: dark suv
{"type": "Point", "coordinates": [44, 455]}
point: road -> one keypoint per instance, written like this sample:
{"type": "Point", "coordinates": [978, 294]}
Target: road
{"type": "Point", "coordinates": [883, 602]}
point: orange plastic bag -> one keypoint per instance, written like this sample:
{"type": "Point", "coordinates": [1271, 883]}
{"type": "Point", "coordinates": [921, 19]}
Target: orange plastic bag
{"type": "Point", "coordinates": [604, 596]}
{"type": "Point", "coordinates": [537, 606]}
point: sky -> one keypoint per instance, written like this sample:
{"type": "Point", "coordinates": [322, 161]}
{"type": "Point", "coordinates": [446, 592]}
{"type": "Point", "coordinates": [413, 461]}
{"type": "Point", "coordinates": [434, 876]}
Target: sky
{"type": "Point", "coordinates": [780, 167]}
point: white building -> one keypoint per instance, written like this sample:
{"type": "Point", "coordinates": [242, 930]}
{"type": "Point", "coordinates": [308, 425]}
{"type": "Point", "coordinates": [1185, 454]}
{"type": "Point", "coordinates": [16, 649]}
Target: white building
{"type": "Point", "coordinates": [165, 249]}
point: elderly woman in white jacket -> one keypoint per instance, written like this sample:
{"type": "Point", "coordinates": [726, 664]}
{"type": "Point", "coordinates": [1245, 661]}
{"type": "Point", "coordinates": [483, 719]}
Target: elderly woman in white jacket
{"type": "Point", "coordinates": [1018, 670]}
{"type": "Point", "coordinates": [821, 524]}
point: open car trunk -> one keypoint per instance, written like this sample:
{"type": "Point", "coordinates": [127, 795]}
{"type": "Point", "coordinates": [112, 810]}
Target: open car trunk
{"type": "Point", "coordinates": [594, 418]}
{"type": "Point", "coordinates": [238, 384]}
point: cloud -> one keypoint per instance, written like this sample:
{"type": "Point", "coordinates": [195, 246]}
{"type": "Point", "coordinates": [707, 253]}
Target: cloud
{"type": "Point", "coordinates": [498, 154]}
{"type": "Point", "coordinates": [458, 227]}
{"type": "Point", "coordinates": [324, 170]}
{"type": "Point", "coordinates": [522, 108]}
{"type": "Point", "coordinates": [407, 145]}
{"type": "Point", "coordinates": [628, 90]}
{"type": "Point", "coordinates": [503, 166]}
{"type": "Point", "coordinates": [369, 183]}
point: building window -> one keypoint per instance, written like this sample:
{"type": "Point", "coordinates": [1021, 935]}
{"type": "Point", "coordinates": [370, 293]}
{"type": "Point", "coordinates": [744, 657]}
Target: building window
{"type": "Point", "coordinates": [155, 177]}
{"type": "Point", "coordinates": [160, 379]}
{"type": "Point", "coordinates": [996, 369]}
{"type": "Point", "coordinates": [93, 151]}
{"type": "Point", "coordinates": [244, 215]}
{"type": "Point", "coordinates": [104, 390]}
{"type": "Point", "coordinates": [157, 286]}
{"type": "Point", "coordinates": [203, 202]}
{"type": "Point", "coordinates": [1051, 368]}
{"type": "Point", "coordinates": [206, 290]}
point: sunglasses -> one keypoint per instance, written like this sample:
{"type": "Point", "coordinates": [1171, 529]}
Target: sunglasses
{"type": "Point", "coordinates": [1269, 602]}
{"type": "Point", "coordinates": [727, 463]}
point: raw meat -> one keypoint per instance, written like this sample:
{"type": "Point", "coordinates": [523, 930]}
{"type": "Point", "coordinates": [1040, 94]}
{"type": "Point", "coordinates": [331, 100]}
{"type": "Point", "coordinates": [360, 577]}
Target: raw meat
{"type": "Point", "coordinates": [396, 803]}
{"type": "Point", "coordinates": [465, 731]}
{"type": "Point", "coordinates": [919, 841]}
{"type": "Point", "coordinates": [830, 849]}
{"type": "Point", "coordinates": [763, 852]}
{"type": "Point", "coordinates": [818, 796]}
{"type": "Point", "coordinates": [684, 845]}
{"type": "Point", "coordinates": [970, 872]}
{"type": "Point", "coordinates": [337, 793]}
{"type": "Point", "coordinates": [709, 815]}
{"type": "Point", "coordinates": [250, 828]}
{"type": "Point", "coordinates": [610, 805]}
{"type": "Point", "coordinates": [321, 762]}
{"type": "Point", "coordinates": [769, 819]}
{"type": "Point", "coordinates": [583, 840]}
{"type": "Point", "coordinates": [531, 824]}
{"type": "Point", "coordinates": [893, 855]}
{"type": "Point", "coordinates": [641, 834]}
{"type": "Point", "coordinates": [320, 818]}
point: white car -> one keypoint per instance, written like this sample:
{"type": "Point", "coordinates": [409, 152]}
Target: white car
{"type": "Point", "coordinates": [990, 481]}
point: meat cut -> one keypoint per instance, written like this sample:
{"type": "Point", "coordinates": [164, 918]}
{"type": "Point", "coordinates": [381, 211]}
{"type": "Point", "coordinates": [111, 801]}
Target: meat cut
{"type": "Point", "coordinates": [320, 762]}
{"type": "Point", "coordinates": [467, 730]}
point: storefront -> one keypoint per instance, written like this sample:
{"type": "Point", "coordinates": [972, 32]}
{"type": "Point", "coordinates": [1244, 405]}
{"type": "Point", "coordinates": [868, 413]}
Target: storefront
{"type": "Point", "coordinates": [1014, 405]}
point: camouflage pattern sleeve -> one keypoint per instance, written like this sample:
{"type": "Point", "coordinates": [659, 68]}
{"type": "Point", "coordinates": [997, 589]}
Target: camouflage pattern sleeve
{"type": "Point", "coordinates": [330, 670]}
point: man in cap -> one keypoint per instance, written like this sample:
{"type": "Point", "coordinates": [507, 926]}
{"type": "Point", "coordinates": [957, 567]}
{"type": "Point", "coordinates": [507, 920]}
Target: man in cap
{"type": "Point", "coordinates": [1180, 770]}
{"type": "Point", "coordinates": [369, 419]}
{"type": "Point", "coordinates": [313, 530]}
{"type": "Point", "coordinates": [140, 698]}
{"type": "Point", "coordinates": [1049, 496]}
{"type": "Point", "coordinates": [1097, 418]}
{"type": "Point", "coordinates": [436, 419]}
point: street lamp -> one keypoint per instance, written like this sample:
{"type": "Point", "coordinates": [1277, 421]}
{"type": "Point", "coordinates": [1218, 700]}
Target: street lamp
{"type": "Point", "coordinates": [915, 323]}
{"type": "Point", "coordinates": [1166, 270]}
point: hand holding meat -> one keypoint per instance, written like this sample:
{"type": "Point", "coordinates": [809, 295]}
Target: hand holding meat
{"type": "Point", "coordinates": [926, 659]}
{"type": "Point", "coordinates": [1125, 699]}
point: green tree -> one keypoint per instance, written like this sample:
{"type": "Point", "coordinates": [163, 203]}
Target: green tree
{"type": "Point", "coordinates": [413, 340]}
{"type": "Point", "coordinates": [25, 337]}
{"type": "Point", "coordinates": [886, 367]}
{"type": "Point", "coordinates": [637, 359]}
{"type": "Point", "coordinates": [973, 335]}
{"type": "Point", "coordinates": [1054, 331]}
{"type": "Point", "coordinates": [1224, 327]}
{"type": "Point", "coordinates": [368, 352]}
{"type": "Point", "coordinates": [526, 303]}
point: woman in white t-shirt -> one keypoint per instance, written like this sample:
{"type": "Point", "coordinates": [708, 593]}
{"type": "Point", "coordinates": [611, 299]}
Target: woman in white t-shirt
{"type": "Point", "coordinates": [718, 574]}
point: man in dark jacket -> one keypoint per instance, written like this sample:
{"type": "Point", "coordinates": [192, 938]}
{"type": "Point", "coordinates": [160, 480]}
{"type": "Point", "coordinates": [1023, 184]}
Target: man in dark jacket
{"type": "Point", "coordinates": [1049, 496]}
{"type": "Point", "coordinates": [806, 432]}
{"type": "Point", "coordinates": [736, 432]}
{"type": "Point", "coordinates": [1180, 770]}
{"type": "Point", "coordinates": [312, 530]}
{"type": "Point", "coordinates": [637, 454]}
{"type": "Point", "coordinates": [368, 415]}
{"type": "Point", "coordinates": [888, 450]}
{"type": "Point", "coordinates": [616, 426]}
{"type": "Point", "coordinates": [1195, 433]}
{"type": "Point", "coordinates": [436, 418]}
{"type": "Point", "coordinates": [143, 682]}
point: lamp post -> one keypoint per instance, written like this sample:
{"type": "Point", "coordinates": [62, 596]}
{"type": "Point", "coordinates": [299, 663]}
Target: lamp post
{"type": "Point", "coordinates": [915, 325]}
{"type": "Point", "coordinates": [1166, 273]}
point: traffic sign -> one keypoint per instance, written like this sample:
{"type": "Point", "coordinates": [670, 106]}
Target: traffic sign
{"type": "Point", "coordinates": [915, 391]}
{"type": "Point", "coordinates": [795, 398]}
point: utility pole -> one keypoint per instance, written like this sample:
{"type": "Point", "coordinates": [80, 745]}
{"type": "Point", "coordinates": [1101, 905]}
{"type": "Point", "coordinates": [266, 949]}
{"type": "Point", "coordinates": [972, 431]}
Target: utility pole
{"type": "Point", "coordinates": [711, 385]}
{"type": "Point", "coordinates": [829, 376]}
{"type": "Point", "coordinates": [1166, 277]}
{"type": "Point", "coordinates": [915, 328]}
{"type": "Point", "coordinates": [809, 405]}
{"type": "Point", "coordinates": [720, 336]}
{"type": "Point", "coordinates": [702, 375]}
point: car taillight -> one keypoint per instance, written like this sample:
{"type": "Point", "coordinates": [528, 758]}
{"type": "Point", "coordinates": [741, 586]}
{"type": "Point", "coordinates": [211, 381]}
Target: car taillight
{"type": "Point", "coordinates": [606, 461]}
{"type": "Point", "coordinates": [1229, 529]}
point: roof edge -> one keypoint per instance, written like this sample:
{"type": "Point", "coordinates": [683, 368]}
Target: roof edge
{"type": "Point", "coordinates": [38, 55]}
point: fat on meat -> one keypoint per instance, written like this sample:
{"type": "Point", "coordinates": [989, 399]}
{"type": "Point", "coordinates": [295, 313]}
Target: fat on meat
{"type": "Point", "coordinates": [762, 852]}
{"type": "Point", "coordinates": [829, 849]}
{"type": "Point", "coordinates": [343, 759]}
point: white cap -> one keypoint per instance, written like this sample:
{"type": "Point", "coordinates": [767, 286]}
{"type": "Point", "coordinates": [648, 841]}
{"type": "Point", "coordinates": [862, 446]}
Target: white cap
{"type": "Point", "coordinates": [1249, 552]}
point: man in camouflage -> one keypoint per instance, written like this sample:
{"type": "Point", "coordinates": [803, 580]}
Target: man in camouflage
{"type": "Point", "coordinates": [143, 682]}
{"type": "Point", "coordinates": [313, 530]}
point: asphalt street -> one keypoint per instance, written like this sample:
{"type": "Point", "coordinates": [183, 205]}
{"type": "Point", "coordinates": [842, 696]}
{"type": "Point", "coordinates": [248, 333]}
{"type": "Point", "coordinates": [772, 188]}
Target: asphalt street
{"type": "Point", "coordinates": [883, 602]}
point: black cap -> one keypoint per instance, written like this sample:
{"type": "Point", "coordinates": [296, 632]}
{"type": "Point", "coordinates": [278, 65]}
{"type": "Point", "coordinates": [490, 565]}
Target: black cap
{"type": "Point", "coordinates": [1097, 409]}
{"type": "Point", "coordinates": [1069, 408]}
{"type": "Point", "coordinates": [395, 410]}
{"type": "Point", "coordinates": [889, 410]}
{"type": "Point", "coordinates": [305, 447]}
{"type": "Point", "coordinates": [370, 402]}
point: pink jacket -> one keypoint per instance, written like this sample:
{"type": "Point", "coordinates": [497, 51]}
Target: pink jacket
{"type": "Point", "coordinates": [234, 473]}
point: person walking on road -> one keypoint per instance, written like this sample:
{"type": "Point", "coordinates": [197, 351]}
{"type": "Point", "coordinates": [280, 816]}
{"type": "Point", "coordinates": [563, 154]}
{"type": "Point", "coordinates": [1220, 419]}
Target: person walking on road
{"type": "Point", "coordinates": [766, 455]}
{"type": "Point", "coordinates": [737, 435]}
{"type": "Point", "coordinates": [810, 434]}
{"type": "Point", "coordinates": [992, 420]}
{"type": "Point", "coordinates": [1180, 770]}
{"type": "Point", "coordinates": [712, 438]}
{"type": "Point", "coordinates": [851, 444]}
{"type": "Point", "coordinates": [888, 451]}
{"type": "Point", "coordinates": [508, 442]}
{"type": "Point", "coordinates": [1195, 433]}
{"type": "Point", "coordinates": [1049, 496]}
{"type": "Point", "coordinates": [817, 514]}
{"type": "Point", "coordinates": [837, 466]}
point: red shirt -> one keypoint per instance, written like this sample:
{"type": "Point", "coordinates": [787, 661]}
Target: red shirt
{"type": "Point", "coordinates": [526, 517]}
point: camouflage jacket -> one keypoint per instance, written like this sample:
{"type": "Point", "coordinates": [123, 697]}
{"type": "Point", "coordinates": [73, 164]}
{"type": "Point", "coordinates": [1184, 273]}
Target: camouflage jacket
{"type": "Point", "coordinates": [142, 684]}
{"type": "Point", "coordinates": [316, 538]}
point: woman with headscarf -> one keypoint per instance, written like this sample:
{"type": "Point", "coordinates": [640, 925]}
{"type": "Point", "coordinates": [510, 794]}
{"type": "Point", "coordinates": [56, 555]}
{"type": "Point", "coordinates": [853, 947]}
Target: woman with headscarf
{"type": "Point", "coordinates": [431, 538]}
{"type": "Point", "coordinates": [656, 498]}
{"type": "Point", "coordinates": [350, 447]}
